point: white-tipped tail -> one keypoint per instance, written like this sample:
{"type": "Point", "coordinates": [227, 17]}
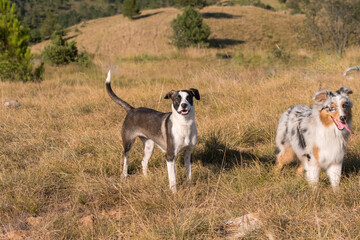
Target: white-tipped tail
{"type": "Point", "coordinates": [108, 79]}
{"type": "Point", "coordinates": [113, 96]}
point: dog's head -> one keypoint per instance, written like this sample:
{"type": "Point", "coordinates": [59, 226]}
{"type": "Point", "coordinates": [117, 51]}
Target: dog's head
{"type": "Point", "coordinates": [335, 108]}
{"type": "Point", "coordinates": [183, 100]}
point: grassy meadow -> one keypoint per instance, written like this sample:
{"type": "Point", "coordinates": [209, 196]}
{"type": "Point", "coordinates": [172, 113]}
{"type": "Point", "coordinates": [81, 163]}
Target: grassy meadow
{"type": "Point", "coordinates": [61, 153]}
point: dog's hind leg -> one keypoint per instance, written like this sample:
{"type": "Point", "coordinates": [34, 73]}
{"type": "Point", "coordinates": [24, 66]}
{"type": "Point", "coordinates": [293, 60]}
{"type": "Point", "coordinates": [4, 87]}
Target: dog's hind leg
{"type": "Point", "coordinates": [127, 144]}
{"type": "Point", "coordinates": [187, 160]}
{"type": "Point", "coordinates": [148, 151]}
{"type": "Point", "coordinates": [285, 156]}
{"type": "Point", "coordinates": [284, 152]}
{"type": "Point", "coordinates": [300, 170]}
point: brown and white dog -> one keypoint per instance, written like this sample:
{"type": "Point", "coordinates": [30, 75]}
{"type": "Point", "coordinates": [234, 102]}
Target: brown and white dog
{"type": "Point", "coordinates": [317, 135]}
{"type": "Point", "coordinates": [173, 132]}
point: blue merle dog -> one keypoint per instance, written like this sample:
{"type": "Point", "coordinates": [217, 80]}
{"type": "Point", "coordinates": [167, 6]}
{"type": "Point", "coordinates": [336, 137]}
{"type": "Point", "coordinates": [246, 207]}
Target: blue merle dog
{"type": "Point", "coordinates": [317, 135]}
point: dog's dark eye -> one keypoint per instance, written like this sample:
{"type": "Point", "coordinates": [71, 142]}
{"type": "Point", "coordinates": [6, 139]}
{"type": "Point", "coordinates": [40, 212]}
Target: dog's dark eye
{"type": "Point", "coordinates": [345, 105]}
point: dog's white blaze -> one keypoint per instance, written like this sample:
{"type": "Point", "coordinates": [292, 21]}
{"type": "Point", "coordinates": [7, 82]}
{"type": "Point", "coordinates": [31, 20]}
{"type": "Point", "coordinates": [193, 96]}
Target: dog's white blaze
{"type": "Point", "coordinates": [183, 100]}
{"type": "Point", "coordinates": [108, 79]}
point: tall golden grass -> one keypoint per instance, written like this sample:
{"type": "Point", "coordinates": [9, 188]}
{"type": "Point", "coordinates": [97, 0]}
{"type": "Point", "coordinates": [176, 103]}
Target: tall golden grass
{"type": "Point", "coordinates": [61, 154]}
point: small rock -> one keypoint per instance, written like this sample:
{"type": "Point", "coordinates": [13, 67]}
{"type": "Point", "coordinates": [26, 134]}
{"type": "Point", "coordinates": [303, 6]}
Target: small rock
{"type": "Point", "coordinates": [12, 103]}
{"type": "Point", "coordinates": [16, 235]}
{"type": "Point", "coordinates": [238, 228]}
{"type": "Point", "coordinates": [34, 221]}
{"type": "Point", "coordinates": [87, 221]}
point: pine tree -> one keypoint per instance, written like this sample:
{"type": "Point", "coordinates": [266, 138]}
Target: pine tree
{"type": "Point", "coordinates": [193, 3]}
{"type": "Point", "coordinates": [15, 57]}
{"type": "Point", "coordinates": [130, 8]}
{"type": "Point", "coordinates": [189, 29]}
{"type": "Point", "coordinates": [49, 26]}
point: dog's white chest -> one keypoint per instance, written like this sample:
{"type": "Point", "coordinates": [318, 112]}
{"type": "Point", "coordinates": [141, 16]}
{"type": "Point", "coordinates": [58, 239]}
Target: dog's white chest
{"type": "Point", "coordinates": [332, 148]}
{"type": "Point", "coordinates": [184, 136]}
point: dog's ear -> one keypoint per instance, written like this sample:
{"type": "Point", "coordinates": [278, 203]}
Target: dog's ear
{"type": "Point", "coordinates": [321, 96]}
{"type": "Point", "coordinates": [169, 94]}
{"type": "Point", "coordinates": [195, 93]}
{"type": "Point", "coordinates": [344, 90]}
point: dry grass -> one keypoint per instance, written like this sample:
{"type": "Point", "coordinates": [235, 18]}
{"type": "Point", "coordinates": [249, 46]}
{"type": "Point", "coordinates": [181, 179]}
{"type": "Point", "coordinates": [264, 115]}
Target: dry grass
{"type": "Point", "coordinates": [61, 159]}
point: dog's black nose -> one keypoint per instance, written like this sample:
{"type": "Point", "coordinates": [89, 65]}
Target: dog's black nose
{"type": "Point", "coordinates": [184, 105]}
{"type": "Point", "coordinates": [343, 118]}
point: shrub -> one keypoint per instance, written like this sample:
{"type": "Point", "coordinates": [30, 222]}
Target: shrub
{"type": "Point", "coordinates": [189, 29]}
{"type": "Point", "coordinates": [60, 51]}
{"type": "Point", "coordinates": [15, 57]}
{"type": "Point", "coordinates": [85, 59]}
{"type": "Point", "coordinates": [35, 36]}
{"type": "Point", "coordinates": [49, 26]}
{"type": "Point", "coordinates": [295, 5]}
{"type": "Point", "coordinates": [264, 6]}
{"type": "Point", "coordinates": [130, 8]}
{"type": "Point", "coordinates": [193, 3]}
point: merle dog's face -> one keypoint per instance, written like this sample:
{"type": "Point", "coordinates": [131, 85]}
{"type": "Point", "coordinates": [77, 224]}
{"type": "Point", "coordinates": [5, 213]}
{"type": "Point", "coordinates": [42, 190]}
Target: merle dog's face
{"type": "Point", "coordinates": [183, 100]}
{"type": "Point", "coordinates": [335, 108]}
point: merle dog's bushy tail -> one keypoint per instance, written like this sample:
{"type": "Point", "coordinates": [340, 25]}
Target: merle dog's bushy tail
{"type": "Point", "coordinates": [115, 98]}
{"type": "Point", "coordinates": [351, 68]}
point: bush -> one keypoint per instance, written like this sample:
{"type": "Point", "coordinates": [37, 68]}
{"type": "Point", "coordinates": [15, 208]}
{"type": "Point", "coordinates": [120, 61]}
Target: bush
{"type": "Point", "coordinates": [60, 51]}
{"type": "Point", "coordinates": [264, 6]}
{"type": "Point", "coordinates": [193, 3]}
{"type": "Point", "coordinates": [189, 29]}
{"type": "Point", "coordinates": [295, 5]}
{"type": "Point", "coordinates": [49, 26]}
{"type": "Point", "coordinates": [35, 36]}
{"type": "Point", "coordinates": [85, 59]}
{"type": "Point", "coordinates": [130, 8]}
{"type": "Point", "coordinates": [15, 57]}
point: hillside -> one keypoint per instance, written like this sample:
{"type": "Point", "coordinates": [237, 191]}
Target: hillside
{"type": "Point", "coordinates": [233, 28]}
{"type": "Point", "coordinates": [42, 17]}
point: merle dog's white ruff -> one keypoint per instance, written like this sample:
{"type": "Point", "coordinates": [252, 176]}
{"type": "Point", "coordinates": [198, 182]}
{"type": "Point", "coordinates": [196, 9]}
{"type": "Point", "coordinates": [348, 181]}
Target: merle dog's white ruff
{"type": "Point", "coordinates": [317, 136]}
{"type": "Point", "coordinates": [173, 132]}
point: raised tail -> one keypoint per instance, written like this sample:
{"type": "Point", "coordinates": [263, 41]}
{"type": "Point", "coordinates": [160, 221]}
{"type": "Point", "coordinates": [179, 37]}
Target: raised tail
{"type": "Point", "coordinates": [116, 99]}
{"type": "Point", "coordinates": [349, 69]}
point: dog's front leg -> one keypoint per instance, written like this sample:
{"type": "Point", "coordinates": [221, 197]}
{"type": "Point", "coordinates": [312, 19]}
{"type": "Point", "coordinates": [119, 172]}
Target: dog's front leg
{"type": "Point", "coordinates": [187, 160]}
{"type": "Point", "coordinates": [170, 162]}
{"type": "Point", "coordinates": [312, 169]}
{"type": "Point", "coordinates": [312, 175]}
{"type": "Point", "coordinates": [334, 175]}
